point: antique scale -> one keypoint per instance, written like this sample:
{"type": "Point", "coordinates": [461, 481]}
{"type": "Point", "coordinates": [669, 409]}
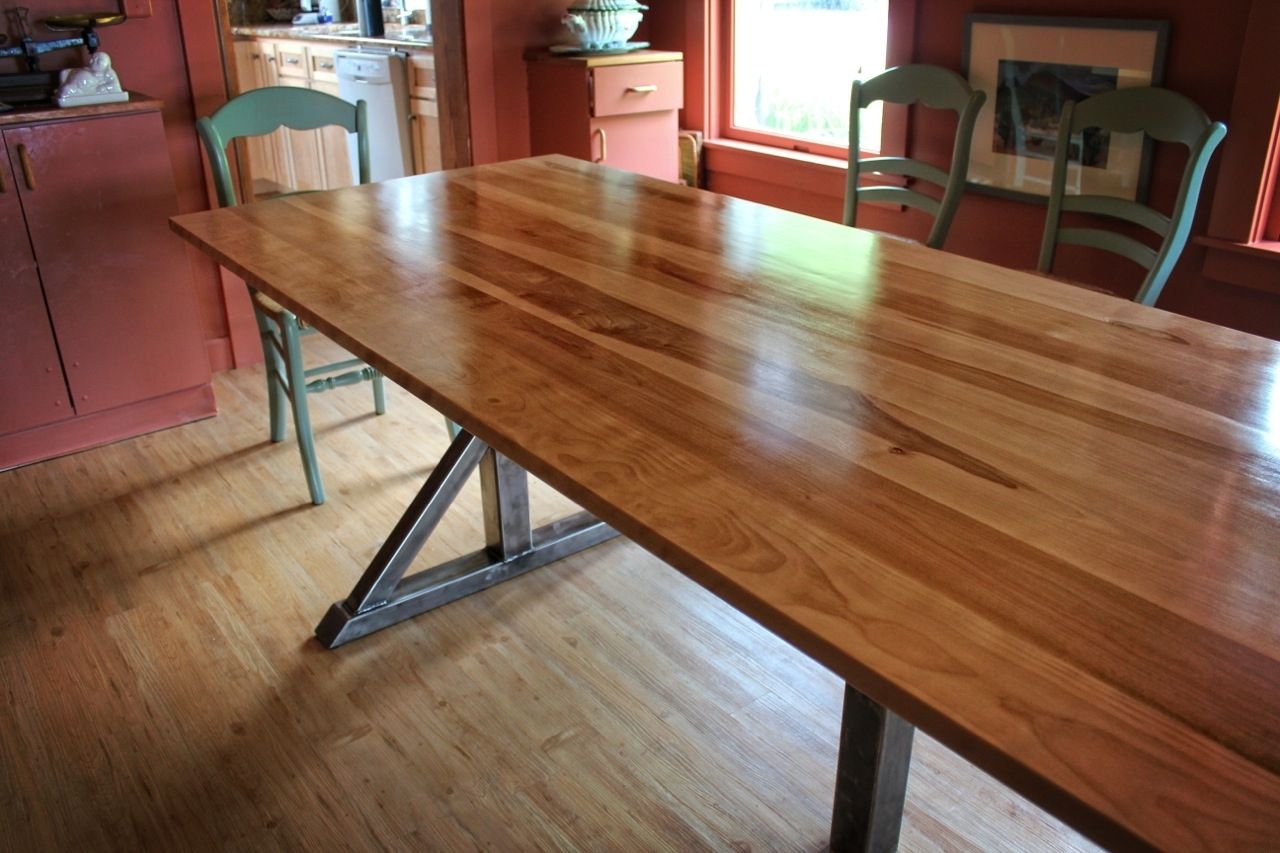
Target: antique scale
{"type": "Point", "coordinates": [34, 86]}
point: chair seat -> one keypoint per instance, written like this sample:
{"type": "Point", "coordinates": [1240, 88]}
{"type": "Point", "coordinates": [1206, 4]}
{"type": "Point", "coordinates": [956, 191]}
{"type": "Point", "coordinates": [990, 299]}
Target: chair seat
{"type": "Point", "coordinates": [266, 303]}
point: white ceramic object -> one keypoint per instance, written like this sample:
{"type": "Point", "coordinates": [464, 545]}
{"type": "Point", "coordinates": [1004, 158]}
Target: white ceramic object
{"type": "Point", "coordinates": [597, 26]}
{"type": "Point", "coordinates": [606, 5]}
{"type": "Point", "coordinates": [95, 84]}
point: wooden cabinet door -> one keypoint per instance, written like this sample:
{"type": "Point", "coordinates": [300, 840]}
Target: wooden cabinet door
{"type": "Point", "coordinates": [335, 163]}
{"type": "Point", "coordinates": [117, 282]}
{"type": "Point", "coordinates": [32, 390]}
{"type": "Point", "coordinates": [304, 149]}
{"type": "Point", "coordinates": [263, 169]}
{"type": "Point", "coordinates": [424, 131]}
{"type": "Point", "coordinates": [276, 143]}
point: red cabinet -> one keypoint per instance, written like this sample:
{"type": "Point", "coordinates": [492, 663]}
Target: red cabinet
{"type": "Point", "coordinates": [618, 110]}
{"type": "Point", "coordinates": [97, 311]}
{"type": "Point", "coordinates": [32, 389]}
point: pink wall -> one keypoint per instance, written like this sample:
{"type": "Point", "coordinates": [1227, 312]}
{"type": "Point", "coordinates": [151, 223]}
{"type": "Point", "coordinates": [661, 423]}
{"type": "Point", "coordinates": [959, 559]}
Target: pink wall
{"type": "Point", "coordinates": [498, 34]}
{"type": "Point", "coordinates": [148, 55]}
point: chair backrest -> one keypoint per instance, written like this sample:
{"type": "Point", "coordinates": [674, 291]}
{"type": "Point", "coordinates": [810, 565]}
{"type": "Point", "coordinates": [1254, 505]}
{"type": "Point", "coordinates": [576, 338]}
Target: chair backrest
{"type": "Point", "coordinates": [1164, 116]}
{"type": "Point", "coordinates": [934, 87]}
{"type": "Point", "coordinates": [263, 110]}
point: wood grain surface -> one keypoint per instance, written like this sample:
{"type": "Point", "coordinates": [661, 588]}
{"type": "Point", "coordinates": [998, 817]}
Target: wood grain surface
{"type": "Point", "coordinates": [162, 691]}
{"type": "Point", "coordinates": [1039, 523]}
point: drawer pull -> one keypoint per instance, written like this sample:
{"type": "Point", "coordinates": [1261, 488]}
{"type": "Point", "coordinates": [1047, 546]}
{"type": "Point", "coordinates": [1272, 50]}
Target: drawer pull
{"type": "Point", "coordinates": [604, 143]}
{"type": "Point", "coordinates": [292, 60]}
{"type": "Point", "coordinates": [326, 64]}
{"type": "Point", "coordinates": [643, 90]}
{"type": "Point", "coordinates": [28, 173]}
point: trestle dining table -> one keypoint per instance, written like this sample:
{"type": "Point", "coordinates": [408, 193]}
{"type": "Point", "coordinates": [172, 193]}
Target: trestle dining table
{"type": "Point", "coordinates": [1040, 523]}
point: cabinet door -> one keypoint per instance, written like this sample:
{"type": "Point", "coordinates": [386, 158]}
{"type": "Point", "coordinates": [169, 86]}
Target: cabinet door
{"type": "Point", "coordinates": [304, 148]}
{"type": "Point", "coordinates": [32, 390]}
{"type": "Point", "coordinates": [117, 282]}
{"type": "Point", "coordinates": [335, 164]}
{"type": "Point", "coordinates": [642, 142]}
{"type": "Point", "coordinates": [263, 169]}
{"type": "Point", "coordinates": [424, 131]}
{"type": "Point", "coordinates": [275, 143]}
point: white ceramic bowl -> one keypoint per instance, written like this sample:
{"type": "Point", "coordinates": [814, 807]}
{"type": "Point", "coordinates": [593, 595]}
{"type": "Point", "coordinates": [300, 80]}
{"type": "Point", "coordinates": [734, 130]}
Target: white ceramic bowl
{"type": "Point", "coordinates": [602, 30]}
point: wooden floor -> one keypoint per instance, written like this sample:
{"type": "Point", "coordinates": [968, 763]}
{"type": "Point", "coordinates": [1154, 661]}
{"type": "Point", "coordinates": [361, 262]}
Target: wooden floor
{"type": "Point", "coordinates": [159, 686]}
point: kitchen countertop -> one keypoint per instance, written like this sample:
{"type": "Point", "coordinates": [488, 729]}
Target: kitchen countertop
{"type": "Point", "coordinates": [344, 33]}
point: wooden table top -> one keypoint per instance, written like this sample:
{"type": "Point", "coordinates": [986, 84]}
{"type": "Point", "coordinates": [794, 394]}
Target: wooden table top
{"type": "Point", "coordinates": [1038, 522]}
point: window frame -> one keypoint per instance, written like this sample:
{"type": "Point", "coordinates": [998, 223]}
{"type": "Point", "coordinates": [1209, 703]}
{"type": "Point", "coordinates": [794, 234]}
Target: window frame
{"type": "Point", "coordinates": [1267, 226]}
{"type": "Point", "coordinates": [893, 136]}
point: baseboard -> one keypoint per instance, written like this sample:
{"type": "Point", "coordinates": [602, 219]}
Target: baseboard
{"type": "Point", "coordinates": [70, 436]}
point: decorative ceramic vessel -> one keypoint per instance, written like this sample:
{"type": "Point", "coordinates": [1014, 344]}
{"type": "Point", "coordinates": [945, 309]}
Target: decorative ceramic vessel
{"type": "Point", "coordinates": [603, 24]}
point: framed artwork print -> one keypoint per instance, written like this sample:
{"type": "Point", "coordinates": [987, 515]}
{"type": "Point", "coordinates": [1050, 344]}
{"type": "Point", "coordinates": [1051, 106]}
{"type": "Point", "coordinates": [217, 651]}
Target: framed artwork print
{"type": "Point", "coordinates": [1030, 67]}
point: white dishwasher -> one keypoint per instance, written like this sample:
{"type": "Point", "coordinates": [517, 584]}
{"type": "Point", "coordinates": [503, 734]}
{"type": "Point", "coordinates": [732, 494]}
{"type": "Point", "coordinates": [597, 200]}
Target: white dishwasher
{"type": "Point", "coordinates": [380, 78]}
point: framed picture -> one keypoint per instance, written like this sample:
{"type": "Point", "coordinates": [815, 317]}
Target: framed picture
{"type": "Point", "coordinates": [1030, 67]}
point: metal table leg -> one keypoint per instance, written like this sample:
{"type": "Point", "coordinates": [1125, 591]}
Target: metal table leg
{"type": "Point", "coordinates": [871, 776]}
{"type": "Point", "coordinates": [384, 596]}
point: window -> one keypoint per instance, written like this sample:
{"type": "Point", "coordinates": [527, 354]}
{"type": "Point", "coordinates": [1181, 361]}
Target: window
{"type": "Point", "coordinates": [791, 64]}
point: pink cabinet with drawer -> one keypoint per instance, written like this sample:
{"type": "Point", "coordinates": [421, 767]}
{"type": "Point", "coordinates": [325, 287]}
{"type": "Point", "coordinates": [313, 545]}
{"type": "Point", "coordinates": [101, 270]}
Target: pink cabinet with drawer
{"type": "Point", "coordinates": [617, 110]}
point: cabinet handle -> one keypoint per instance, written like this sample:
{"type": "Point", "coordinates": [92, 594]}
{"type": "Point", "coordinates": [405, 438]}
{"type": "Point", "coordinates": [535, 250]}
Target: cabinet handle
{"type": "Point", "coordinates": [292, 60]}
{"type": "Point", "coordinates": [644, 89]}
{"type": "Point", "coordinates": [270, 58]}
{"type": "Point", "coordinates": [604, 143]}
{"type": "Point", "coordinates": [24, 160]}
{"type": "Point", "coordinates": [326, 64]}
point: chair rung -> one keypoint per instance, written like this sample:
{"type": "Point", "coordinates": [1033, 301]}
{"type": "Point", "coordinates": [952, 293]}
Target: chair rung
{"type": "Point", "coordinates": [1120, 244]}
{"type": "Point", "coordinates": [900, 195]}
{"type": "Point", "coordinates": [364, 374]}
{"type": "Point", "coordinates": [337, 365]}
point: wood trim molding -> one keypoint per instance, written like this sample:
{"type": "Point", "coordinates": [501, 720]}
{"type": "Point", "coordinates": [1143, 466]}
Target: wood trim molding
{"type": "Point", "coordinates": [449, 35]}
{"type": "Point", "coordinates": [1237, 212]}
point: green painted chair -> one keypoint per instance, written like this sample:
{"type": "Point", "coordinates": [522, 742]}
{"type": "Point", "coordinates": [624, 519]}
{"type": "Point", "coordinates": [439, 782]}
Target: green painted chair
{"type": "Point", "coordinates": [1164, 116]}
{"type": "Point", "coordinates": [255, 113]}
{"type": "Point", "coordinates": [934, 87]}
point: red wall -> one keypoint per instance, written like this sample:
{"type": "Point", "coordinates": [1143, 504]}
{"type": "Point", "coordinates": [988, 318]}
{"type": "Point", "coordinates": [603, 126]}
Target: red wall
{"type": "Point", "coordinates": [1202, 62]}
{"type": "Point", "coordinates": [148, 55]}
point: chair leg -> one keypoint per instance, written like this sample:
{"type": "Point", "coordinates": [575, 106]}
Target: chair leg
{"type": "Point", "coordinates": [301, 413]}
{"type": "Point", "coordinates": [453, 428]}
{"type": "Point", "coordinates": [276, 396]}
{"type": "Point", "coordinates": [379, 394]}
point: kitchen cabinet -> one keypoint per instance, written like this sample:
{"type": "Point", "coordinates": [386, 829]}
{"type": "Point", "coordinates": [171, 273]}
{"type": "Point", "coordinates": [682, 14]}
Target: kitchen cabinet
{"type": "Point", "coordinates": [269, 155]}
{"type": "Point", "coordinates": [97, 308]}
{"type": "Point", "coordinates": [291, 161]}
{"type": "Point", "coordinates": [424, 114]}
{"type": "Point", "coordinates": [335, 164]}
{"type": "Point", "coordinates": [31, 383]}
{"type": "Point", "coordinates": [619, 110]}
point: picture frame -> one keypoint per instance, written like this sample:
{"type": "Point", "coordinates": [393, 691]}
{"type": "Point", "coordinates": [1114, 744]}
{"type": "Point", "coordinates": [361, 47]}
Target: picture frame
{"type": "Point", "coordinates": [1029, 66]}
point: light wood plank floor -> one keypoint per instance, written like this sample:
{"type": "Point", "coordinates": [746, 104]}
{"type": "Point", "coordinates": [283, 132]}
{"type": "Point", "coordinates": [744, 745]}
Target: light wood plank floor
{"type": "Point", "coordinates": [161, 689]}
